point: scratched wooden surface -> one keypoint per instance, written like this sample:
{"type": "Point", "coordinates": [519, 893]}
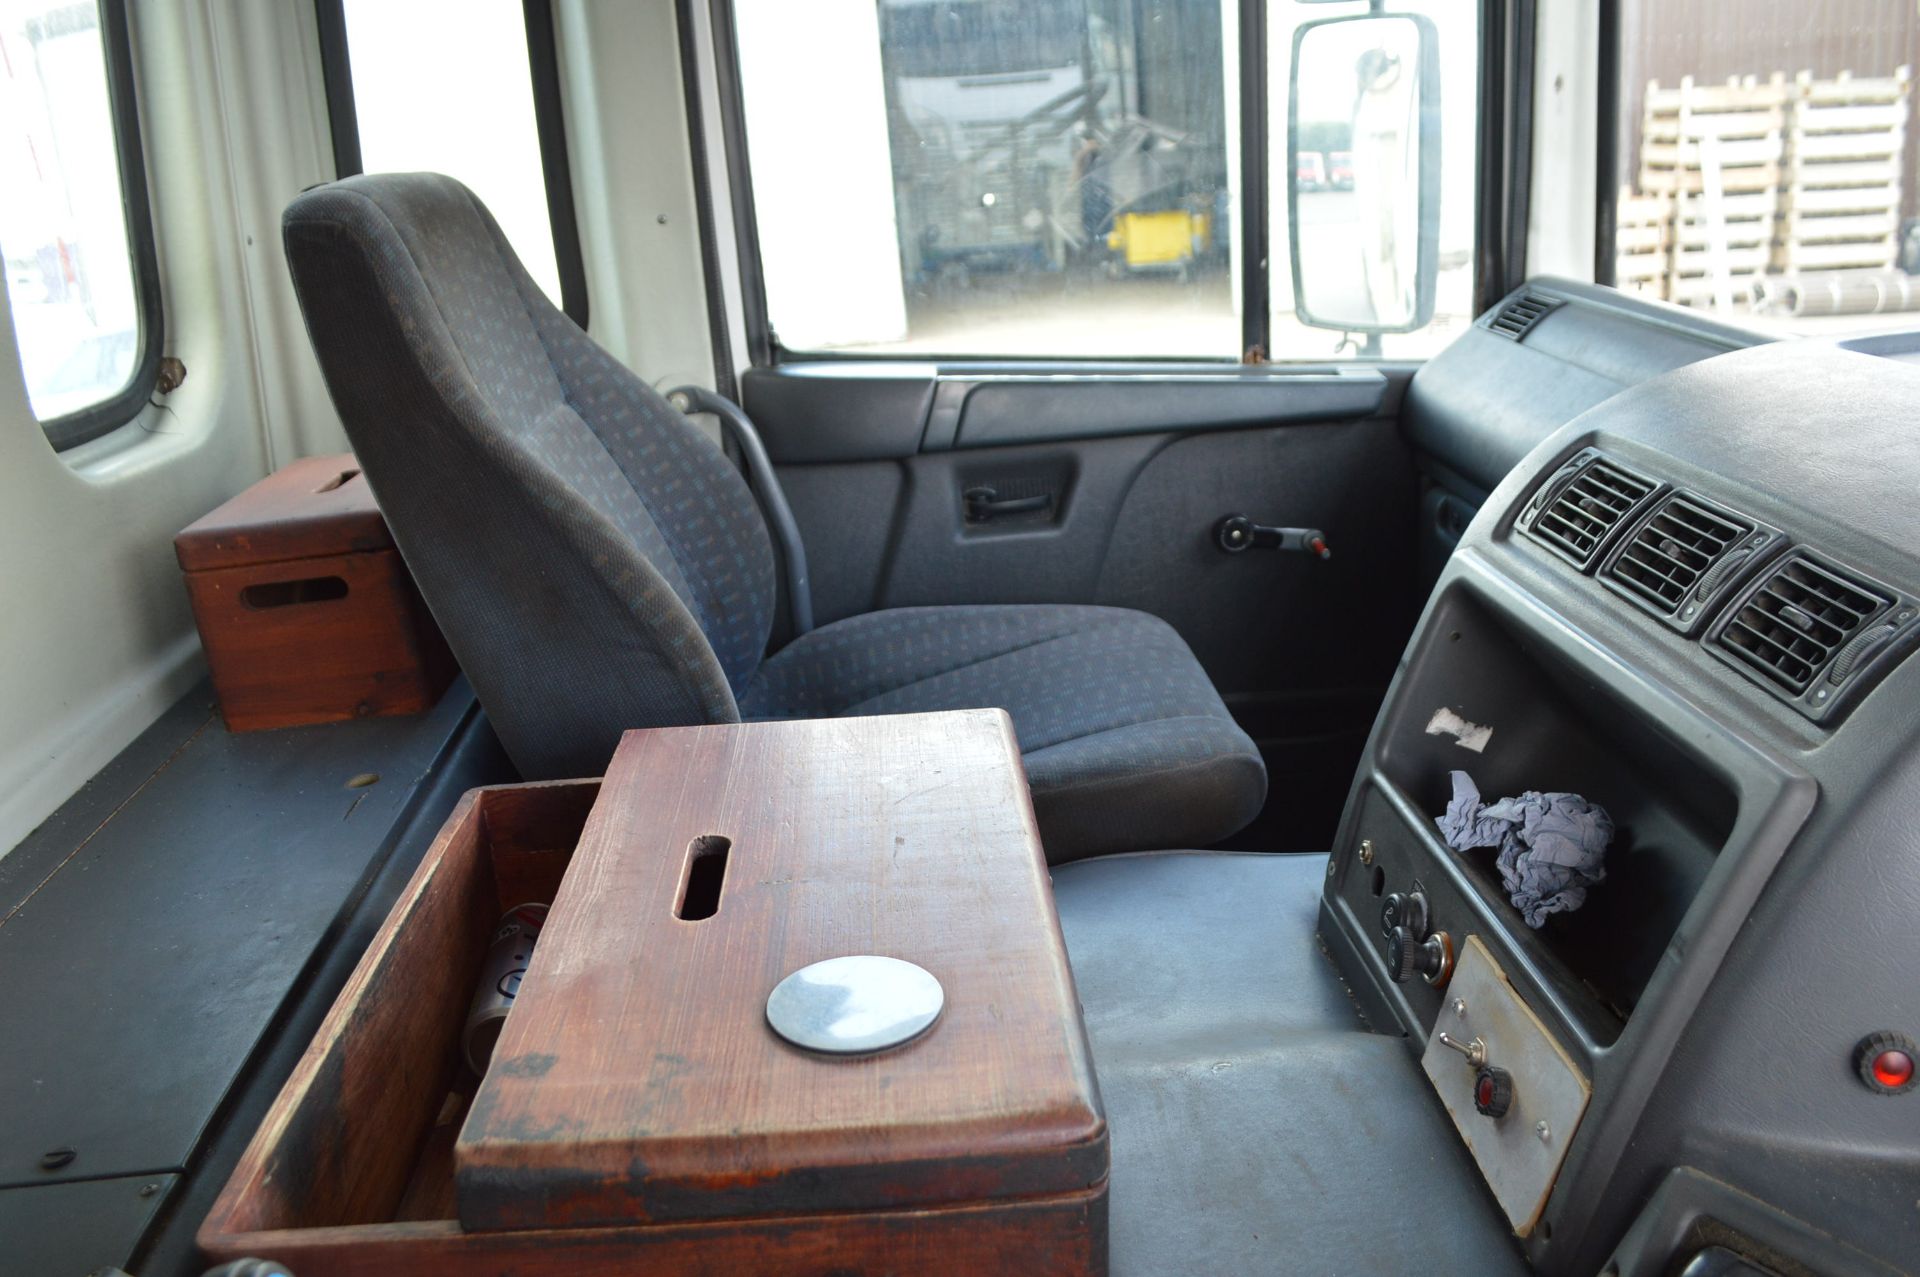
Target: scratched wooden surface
{"type": "Point", "coordinates": [340, 1143]}
{"type": "Point", "coordinates": [637, 1080]}
{"type": "Point", "coordinates": [373, 649]}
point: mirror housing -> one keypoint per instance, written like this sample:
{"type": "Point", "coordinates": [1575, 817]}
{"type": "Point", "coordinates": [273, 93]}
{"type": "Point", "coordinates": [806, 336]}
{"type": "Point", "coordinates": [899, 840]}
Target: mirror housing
{"type": "Point", "coordinates": [1374, 82]}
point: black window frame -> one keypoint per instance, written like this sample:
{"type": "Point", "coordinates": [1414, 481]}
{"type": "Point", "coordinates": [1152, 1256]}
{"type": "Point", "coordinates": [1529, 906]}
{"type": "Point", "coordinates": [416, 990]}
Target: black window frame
{"type": "Point", "coordinates": [1606, 157]}
{"type": "Point", "coordinates": [556, 168]}
{"type": "Point", "coordinates": [76, 428]}
{"type": "Point", "coordinates": [1503, 169]}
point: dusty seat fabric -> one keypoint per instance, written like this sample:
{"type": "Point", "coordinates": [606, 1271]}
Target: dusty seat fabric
{"type": "Point", "coordinates": [597, 564]}
{"type": "Point", "coordinates": [1125, 741]}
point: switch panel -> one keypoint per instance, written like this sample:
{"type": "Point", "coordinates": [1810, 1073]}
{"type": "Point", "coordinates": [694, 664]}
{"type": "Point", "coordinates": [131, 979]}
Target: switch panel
{"type": "Point", "coordinates": [1515, 1095]}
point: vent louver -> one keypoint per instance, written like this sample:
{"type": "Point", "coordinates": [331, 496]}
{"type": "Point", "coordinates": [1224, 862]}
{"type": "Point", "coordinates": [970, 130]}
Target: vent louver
{"type": "Point", "coordinates": [1517, 318]}
{"type": "Point", "coordinates": [1592, 504]}
{"type": "Point", "coordinates": [1799, 616]}
{"type": "Point", "coordinates": [1683, 542]}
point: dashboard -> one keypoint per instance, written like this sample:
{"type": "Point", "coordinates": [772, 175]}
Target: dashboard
{"type": "Point", "coordinates": [1692, 600]}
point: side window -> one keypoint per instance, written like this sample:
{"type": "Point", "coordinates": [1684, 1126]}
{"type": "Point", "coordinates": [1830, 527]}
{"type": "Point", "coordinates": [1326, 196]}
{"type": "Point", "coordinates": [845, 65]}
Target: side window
{"type": "Point", "coordinates": [73, 216]}
{"type": "Point", "coordinates": [449, 86]}
{"type": "Point", "coordinates": [1067, 178]}
{"type": "Point", "coordinates": [1763, 164]}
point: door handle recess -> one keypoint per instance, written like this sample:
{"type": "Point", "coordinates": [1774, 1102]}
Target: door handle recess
{"type": "Point", "coordinates": [982, 504]}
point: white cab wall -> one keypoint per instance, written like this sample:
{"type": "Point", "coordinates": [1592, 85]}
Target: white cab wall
{"type": "Point", "coordinates": [95, 635]}
{"type": "Point", "coordinates": [633, 182]}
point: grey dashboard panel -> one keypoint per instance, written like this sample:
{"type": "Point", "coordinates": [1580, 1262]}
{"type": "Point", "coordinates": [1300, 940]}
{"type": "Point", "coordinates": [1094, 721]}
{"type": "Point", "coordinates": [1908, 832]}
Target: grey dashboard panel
{"type": "Point", "coordinates": [814, 413]}
{"type": "Point", "coordinates": [1482, 404]}
{"type": "Point", "coordinates": [1738, 1061]}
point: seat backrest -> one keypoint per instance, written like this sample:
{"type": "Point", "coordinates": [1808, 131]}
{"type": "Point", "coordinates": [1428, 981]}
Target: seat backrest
{"type": "Point", "coordinates": [594, 559]}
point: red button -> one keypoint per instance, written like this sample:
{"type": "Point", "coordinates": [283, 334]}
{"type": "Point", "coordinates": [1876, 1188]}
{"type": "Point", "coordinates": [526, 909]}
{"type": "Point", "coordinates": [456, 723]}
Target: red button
{"type": "Point", "coordinates": [1893, 1068]}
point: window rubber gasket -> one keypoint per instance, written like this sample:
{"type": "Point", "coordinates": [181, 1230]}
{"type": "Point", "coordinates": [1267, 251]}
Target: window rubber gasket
{"type": "Point", "coordinates": [117, 410]}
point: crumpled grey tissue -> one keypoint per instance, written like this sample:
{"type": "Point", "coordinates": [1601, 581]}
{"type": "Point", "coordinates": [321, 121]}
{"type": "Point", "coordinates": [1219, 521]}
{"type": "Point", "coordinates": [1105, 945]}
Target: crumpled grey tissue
{"type": "Point", "coordinates": [1552, 846]}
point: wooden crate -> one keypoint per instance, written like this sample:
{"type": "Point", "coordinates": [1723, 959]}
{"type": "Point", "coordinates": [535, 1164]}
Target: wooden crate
{"type": "Point", "coordinates": [305, 609]}
{"type": "Point", "coordinates": [1737, 129]}
{"type": "Point", "coordinates": [1643, 242]}
{"type": "Point", "coordinates": [1842, 183]}
{"type": "Point", "coordinates": [1763, 176]}
{"type": "Point", "coordinates": [977, 1148]}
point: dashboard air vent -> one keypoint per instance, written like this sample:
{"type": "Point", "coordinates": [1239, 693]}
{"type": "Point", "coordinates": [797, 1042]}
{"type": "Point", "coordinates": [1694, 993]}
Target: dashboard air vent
{"type": "Point", "coordinates": [1518, 316]}
{"type": "Point", "coordinates": [1593, 503]}
{"type": "Point", "coordinates": [1683, 542]}
{"type": "Point", "coordinates": [1796, 619]}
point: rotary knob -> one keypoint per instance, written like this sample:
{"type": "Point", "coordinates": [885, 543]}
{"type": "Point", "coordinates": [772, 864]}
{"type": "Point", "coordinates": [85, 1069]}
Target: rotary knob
{"type": "Point", "coordinates": [1431, 958]}
{"type": "Point", "coordinates": [1889, 1063]}
{"type": "Point", "coordinates": [1492, 1091]}
{"type": "Point", "coordinates": [1404, 909]}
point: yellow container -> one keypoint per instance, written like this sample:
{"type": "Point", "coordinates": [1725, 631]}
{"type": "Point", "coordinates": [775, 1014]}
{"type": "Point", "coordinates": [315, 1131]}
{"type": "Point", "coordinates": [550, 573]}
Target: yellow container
{"type": "Point", "coordinates": [1160, 239]}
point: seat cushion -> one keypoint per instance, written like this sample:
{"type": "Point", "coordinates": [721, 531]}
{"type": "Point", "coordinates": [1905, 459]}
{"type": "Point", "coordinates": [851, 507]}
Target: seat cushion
{"type": "Point", "coordinates": [1257, 1126]}
{"type": "Point", "coordinates": [1126, 744]}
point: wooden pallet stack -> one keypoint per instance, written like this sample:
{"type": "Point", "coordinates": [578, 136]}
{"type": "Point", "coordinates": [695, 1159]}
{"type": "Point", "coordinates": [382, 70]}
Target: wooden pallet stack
{"type": "Point", "coordinates": [1643, 242]}
{"type": "Point", "coordinates": [1841, 188]}
{"type": "Point", "coordinates": [1718, 152]}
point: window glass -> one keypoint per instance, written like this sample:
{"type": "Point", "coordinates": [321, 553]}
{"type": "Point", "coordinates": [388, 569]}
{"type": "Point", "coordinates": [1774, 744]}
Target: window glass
{"type": "Point", "coordinates": [994, 177]}
{"type": "Point", "coordinates": [1766, 162]}
{"type": "Point", "coordinates": [70, 277]}
{"type": "Point", "coordinates": [445, 86]}
{"type": "Point", "coordinates": [1054, 177]}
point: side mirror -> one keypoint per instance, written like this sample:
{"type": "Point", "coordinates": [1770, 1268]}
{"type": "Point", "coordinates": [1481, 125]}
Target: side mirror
{"type": "Point", "coordinates": [1363, 172]}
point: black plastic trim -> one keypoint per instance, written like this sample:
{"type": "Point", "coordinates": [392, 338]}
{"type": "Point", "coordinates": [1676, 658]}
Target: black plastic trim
{"type": "Point", "coordinates": [763, 350]}
{"type": "Point", "coordinates": [1504, 162]}
{"type": "Point", "coordinates": [550, 121]}
{"type": "Point", "coordinates": [1256, 302]}
{"type": "Point", "coordinates": [1517, 204]}
{"type": "Point", "coordinates": [718, 335]}
{"type": "Point", "coordinates": [336, 75]}
{"type": "Point", "coordinates": [543, 66]}
{"type": "Point", "coordinates": [1607, 144]}
{"type": "Point", "coordinates": [116, 45]}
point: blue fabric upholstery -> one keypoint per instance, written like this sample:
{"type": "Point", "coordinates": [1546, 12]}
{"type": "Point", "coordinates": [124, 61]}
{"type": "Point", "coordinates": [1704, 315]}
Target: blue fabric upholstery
{"type": "Point", "coordinates": [597, 564]}
{"type": "Point", "coordinates": [1126, 743]}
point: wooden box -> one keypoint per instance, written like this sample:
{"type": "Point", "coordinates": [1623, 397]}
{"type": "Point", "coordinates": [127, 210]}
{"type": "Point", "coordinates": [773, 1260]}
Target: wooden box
{"type": "Point", "coordinates": [306, 611]}
{"type": "Point", "coordinates": [639, 1116]}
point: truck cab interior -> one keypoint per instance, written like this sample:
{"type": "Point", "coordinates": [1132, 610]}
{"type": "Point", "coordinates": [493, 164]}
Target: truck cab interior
{"type": "Point", "coordinates": [1313, 600]}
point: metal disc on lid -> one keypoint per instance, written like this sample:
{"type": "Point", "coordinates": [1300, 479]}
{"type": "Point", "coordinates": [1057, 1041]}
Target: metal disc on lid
{"type": "Point", "coordinates": [854, 1005]}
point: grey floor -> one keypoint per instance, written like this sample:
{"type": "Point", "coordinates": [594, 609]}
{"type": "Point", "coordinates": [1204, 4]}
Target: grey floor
{"type": "Point", "coordinates": [1257, 1125]}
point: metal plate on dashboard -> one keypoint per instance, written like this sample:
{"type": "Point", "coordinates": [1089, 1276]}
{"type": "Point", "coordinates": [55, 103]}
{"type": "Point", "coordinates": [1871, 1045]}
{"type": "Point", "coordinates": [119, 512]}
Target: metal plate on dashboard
{"type": "Point", "coordinates": [1519, 1154]}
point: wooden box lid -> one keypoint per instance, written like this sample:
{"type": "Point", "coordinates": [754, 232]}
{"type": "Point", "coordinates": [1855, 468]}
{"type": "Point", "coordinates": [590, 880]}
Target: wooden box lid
{"type": "Point", "coordinates": [315, 508]}
{"type": "Point", "coordinates": [637, 1079]}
